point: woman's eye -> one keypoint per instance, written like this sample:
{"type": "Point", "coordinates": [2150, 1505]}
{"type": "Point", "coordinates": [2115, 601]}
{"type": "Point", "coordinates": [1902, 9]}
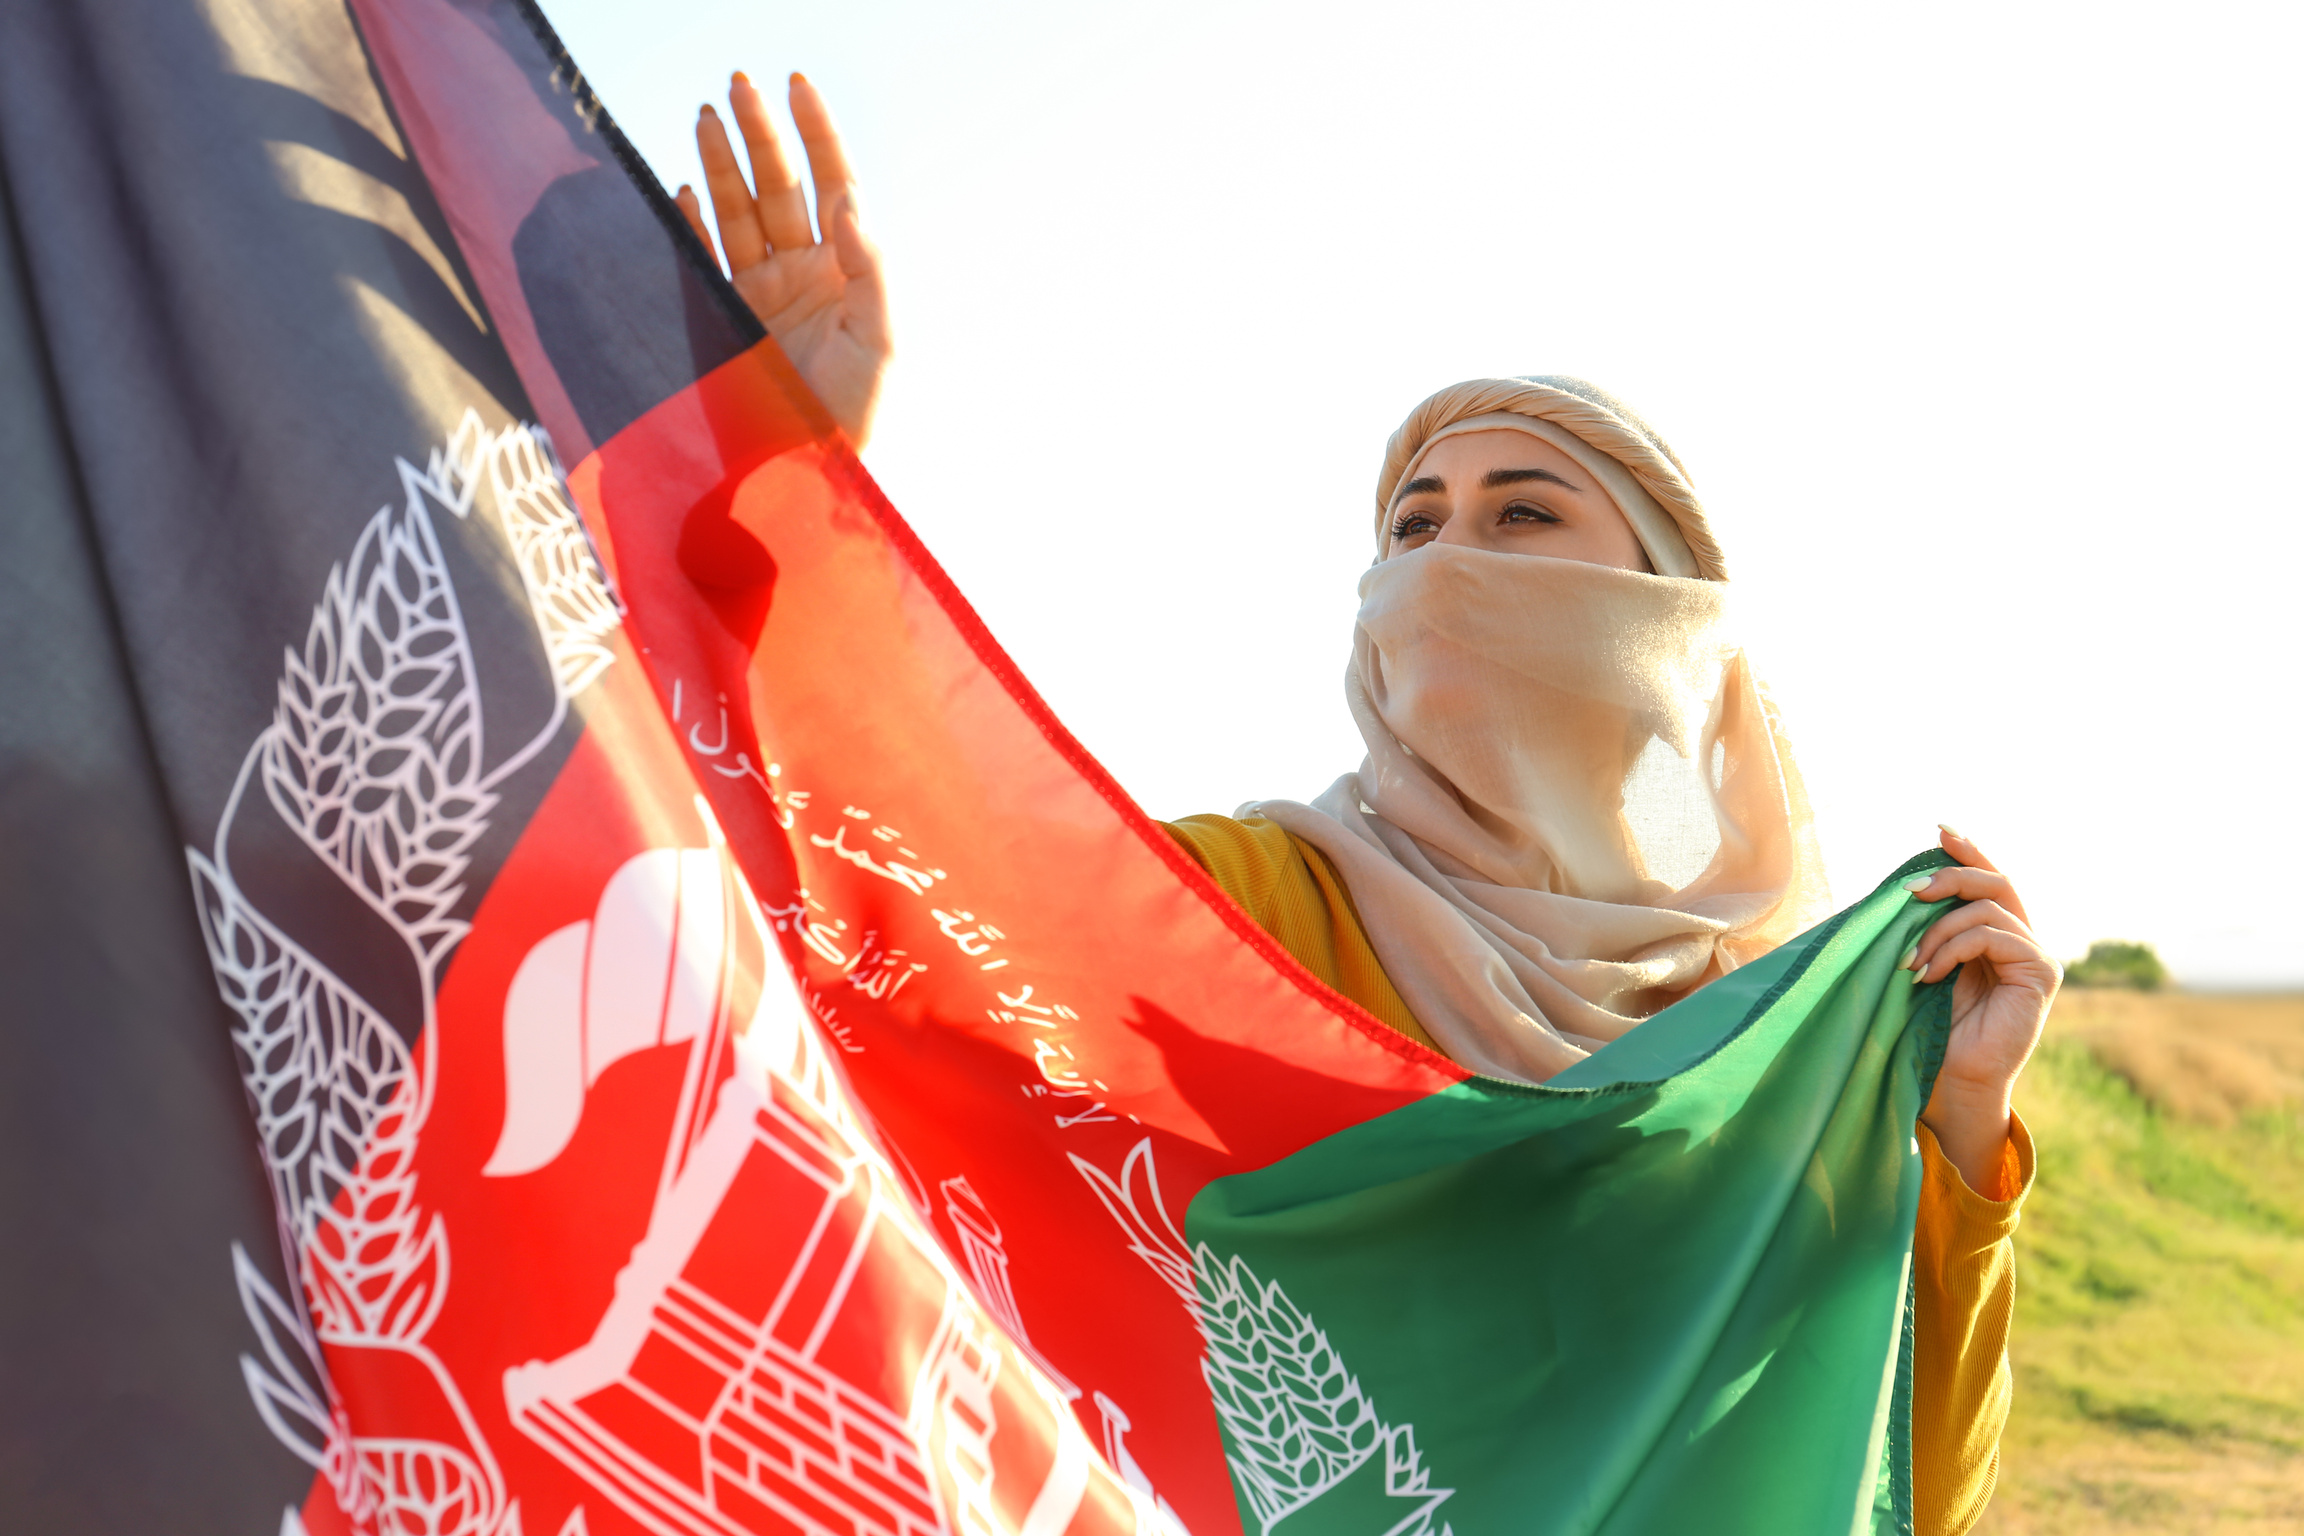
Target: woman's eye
{"type": "Point", "coordinates": [1411, 525]}
{"type": "Point", "coordinates": [1526, 512]}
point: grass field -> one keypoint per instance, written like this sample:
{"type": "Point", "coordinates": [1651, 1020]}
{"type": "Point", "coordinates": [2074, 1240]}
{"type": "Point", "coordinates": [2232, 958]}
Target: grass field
{"type": "Point", "coordinates": [2159, 1348]}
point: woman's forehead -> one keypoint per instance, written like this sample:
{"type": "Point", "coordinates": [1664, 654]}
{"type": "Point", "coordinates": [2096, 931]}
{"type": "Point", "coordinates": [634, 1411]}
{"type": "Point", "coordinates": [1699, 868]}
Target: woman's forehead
{"type": "Point", "coordinates": [1475, 453]}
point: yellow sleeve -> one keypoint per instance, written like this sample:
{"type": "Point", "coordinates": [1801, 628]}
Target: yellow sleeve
{"type": "Point", "coordinates": [1964, 1299]}
{"type": "Point", "coordinates": [1293, 893]}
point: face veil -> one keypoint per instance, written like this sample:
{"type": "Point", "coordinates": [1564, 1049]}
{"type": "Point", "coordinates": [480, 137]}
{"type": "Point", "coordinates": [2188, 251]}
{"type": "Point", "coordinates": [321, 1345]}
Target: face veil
{"type": "Point", "coordinates": [1577, 803]}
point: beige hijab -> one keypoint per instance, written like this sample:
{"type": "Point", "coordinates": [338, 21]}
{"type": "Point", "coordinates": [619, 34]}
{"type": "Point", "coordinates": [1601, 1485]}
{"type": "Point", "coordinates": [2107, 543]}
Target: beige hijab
{"type": "Point", "coordinates": [1577, 805]}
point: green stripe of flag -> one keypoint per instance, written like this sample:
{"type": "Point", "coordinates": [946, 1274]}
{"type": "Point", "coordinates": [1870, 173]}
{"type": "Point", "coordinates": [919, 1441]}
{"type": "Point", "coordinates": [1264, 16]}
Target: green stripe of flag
{"type": "Point", "coordinates": [1664, 1293]}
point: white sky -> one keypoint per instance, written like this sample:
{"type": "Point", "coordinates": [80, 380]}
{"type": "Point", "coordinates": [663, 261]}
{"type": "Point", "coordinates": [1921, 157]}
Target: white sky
{"type": "Point", "coordinates": [1977, 326]}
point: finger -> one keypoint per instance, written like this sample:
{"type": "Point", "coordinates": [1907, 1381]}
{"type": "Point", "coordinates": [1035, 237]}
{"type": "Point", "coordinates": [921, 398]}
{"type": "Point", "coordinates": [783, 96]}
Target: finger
{"type": "Point", "coordinates": [732, 206]}
{"type": "Point", "coordinates": [783, 207]}
{"type": "Point", "coordinates": [1977, 914]}
{"type": "Point", "coordinates": [2016, 956]}
{"type": "Point", "coordinates": [865, 304]}
{"type": "Point", "coordinates": [693, 212]}
{"type": "Point", "coordinates": [1965, 850]}
{"type": "Point", "coordinates": [1959, 882]}
{"type": "Point", "coordinates": [827, 161]}
{"type": "Point", "coordinates": [1958, 845]}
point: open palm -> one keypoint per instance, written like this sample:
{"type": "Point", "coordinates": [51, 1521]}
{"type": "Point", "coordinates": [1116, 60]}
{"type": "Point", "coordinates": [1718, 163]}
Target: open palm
{"type": "Point", "coordinates": [821, 298]}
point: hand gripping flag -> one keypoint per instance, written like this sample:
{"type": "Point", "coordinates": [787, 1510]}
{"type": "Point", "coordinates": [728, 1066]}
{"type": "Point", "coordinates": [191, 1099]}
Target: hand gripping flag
{"type": "Point", "coordinates": [714, 1056]}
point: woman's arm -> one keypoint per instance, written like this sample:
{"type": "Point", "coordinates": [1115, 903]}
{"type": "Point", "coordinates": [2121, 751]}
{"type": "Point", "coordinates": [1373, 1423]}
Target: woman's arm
{"type": "Point", "coordinates": [1963, 1261]}
{"type": "Point", "coordinates": [1999, 1006]}
{"type": "Point", "coordinates": [820, 296]}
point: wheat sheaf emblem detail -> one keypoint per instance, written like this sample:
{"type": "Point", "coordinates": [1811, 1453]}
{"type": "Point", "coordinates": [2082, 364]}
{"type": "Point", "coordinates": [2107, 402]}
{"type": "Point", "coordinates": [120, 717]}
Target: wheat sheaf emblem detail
{"type": "Point", "coordinates": [1297, 1424]}
{"type": "Point", "coordinates": [374, 754]}
{"type": "Point", "coordinates": [376, 757]}
{"type": "Point", "coordinates": [574, 610]}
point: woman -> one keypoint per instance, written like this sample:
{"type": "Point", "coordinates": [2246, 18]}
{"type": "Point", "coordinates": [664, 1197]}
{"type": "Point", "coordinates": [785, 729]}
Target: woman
{"type": "Point", "coordinates": [1577, 806]}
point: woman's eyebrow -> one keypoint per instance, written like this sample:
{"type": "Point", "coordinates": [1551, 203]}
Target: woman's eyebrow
{"type": "Point", "coordinates": [1418, 487]}
{"type": "Point", "coordinates": [1497, 477]}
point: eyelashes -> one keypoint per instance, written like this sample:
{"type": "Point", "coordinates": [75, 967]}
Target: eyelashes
{"type": "Point", "coordinates": [1410, 524]}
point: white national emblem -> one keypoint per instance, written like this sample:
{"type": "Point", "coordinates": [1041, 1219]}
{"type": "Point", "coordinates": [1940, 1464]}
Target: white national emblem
{"type": "Point", "coordinates": [711, 1398]}
{"type": "Point", "coordinates": [1297, 1421]}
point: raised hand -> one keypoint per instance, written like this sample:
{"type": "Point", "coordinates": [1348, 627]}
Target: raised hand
{"type": "Point", "coordinates": [1999, 1005]}
{"type": "Point", "coordinates": [820, 296]}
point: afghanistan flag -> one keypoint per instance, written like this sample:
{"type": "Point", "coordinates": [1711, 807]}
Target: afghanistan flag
{"type": "Point", "coordinates": [560, 982]}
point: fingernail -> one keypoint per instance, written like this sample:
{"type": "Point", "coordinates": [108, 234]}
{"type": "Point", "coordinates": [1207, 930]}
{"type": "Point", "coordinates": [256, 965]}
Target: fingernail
{"type": "Point", "coordinates": [1951, 832]}
{"type": "Point", "coordinates": [1918, 882]}
{"type": "Point", "coordinates": [1910, 955]}
{"type": "Point", "coordinates": [799, 78]}
{"type": "Point", "coordinates": [851, 203]}
{"type": "Point", "coordinates": [740, 79]}
{"type": "Point", "coordinates": [707, 111]}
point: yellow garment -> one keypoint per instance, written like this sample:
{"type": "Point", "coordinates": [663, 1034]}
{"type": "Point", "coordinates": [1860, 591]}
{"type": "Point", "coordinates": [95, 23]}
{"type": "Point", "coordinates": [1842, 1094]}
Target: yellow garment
{"type": "Point", "coordinates": [1963, 1301]}
{"type": "Point", "coordinates": [1963, 1259]}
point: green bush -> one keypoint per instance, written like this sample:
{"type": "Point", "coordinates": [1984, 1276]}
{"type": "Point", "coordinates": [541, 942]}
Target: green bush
{"type": "Point", "coordinates": [2117, 963]}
